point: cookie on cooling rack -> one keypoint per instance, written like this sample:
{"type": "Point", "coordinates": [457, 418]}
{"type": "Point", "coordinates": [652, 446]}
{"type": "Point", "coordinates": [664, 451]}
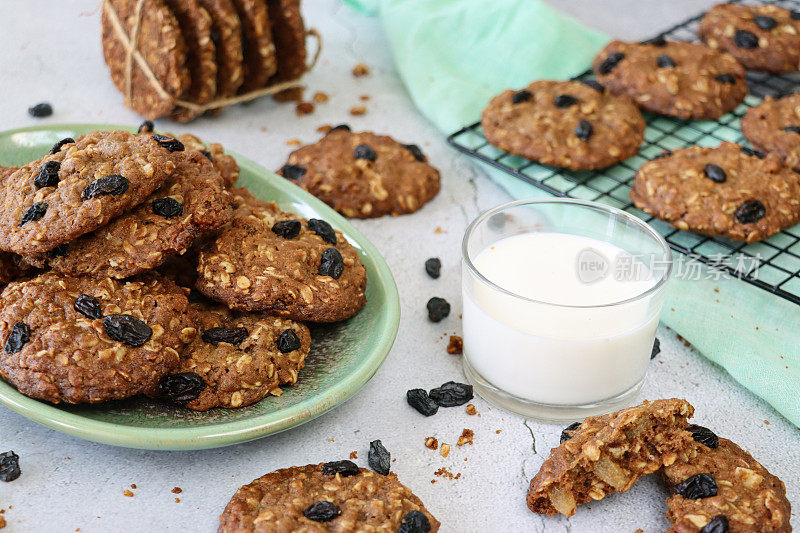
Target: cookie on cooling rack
{"type": "Point", "coordinates": [774, 126]}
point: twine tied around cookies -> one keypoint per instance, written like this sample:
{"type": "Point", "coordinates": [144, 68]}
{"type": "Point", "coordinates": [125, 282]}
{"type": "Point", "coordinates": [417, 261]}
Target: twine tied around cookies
{"type": "Point", "coordinates": [130, 41]}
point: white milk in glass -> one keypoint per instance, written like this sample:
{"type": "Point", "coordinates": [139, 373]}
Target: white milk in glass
{"type": "Point", "coordinates": [537, 347]}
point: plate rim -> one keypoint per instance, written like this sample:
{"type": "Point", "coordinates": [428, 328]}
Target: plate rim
{"type": "Point", "coordinates": [228, 433]}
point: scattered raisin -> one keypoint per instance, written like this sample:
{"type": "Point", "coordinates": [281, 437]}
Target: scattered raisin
{"type": "Point", "coordinates": [293, 172]}
{"type": "Point", "coordinates": [715, 173]}
{"type": "Point", "coordinates": [363, 151]}
{"type": "Point", "coordinates": [322, 511]}
{"type": "Point", "coordinates": [664, 61]}
{"type": "Point", "coordinates": [433, 267]}
{"type": "Point", "coordinates": [718, 524]}
{"type": "Point", "coordinates": [113, 185]}
{"type": "Point", "coordinates": [594, 84]}
{"type": "Point", "coordinates": [9, 466]}
{"type": "Point", "coordinates": [792, 129]}
{"type": "Point", "coordinates": [414, 522]}
{"type": "Point", "coordinates": [750, 211]}
{"type": "Point", "coordinates": [171, 144]}
{"type": "Point", "coordinates": [451, 394]}
{"type": "Point", "coordinates": [322, 229]}
{"type": "Point", "coordinates": [288, 229]}
{"type": "Point", "coordinates": [565, 100]}
{"type": "Point", "coordinates": [656, 349]}
{"type": "Point", "coordinates": [88, 306]}
{"type": "Point", "coordinates": [745, 39]}
{"type": "Point", "coordinates": [338, 127]}
{"type": "Point", "coordinates": [34, 213]}
{"type": "Point", "coordinates": [753, 153]}
{"type": "Point", "coordinates": [127, 329]}
{"type": "Point", "coordinates": [331, 263]}
{"type": "Point", "coordinates": [146, 127]}
{"type": "Point", "coordinates": [19, 336]}
{"type": "Point", "coordinates": [566, 433]}
{"type": "Point", "coordinates": [438, 309]}
{"type": "Point", "coordinates": [57, 146]}
{"type": "Point", "coordinates": [610, 62]}
{"type": "Point", "coordinates": [416, 152]}
{"type": "Point", "coordinates": [521, 96]}
{"type": "Point", "coordinates": [584, 130]}
{"type": "Point", "coordinates": [230, 335]}
{"type": "Point", "coordinates": [703, 435]}
{"type": "Point", "coordinates": [207, 154]}
{"type": "Point", "coordinates": [40, 110]}
{"type": "Point", "coordinates": [379, 458]}
{"type": "Point", "coordinates": [59, 251]}
{"type": "Point", "coordinates": [765, 23]}
{"type": "Point", "coordinates": [725, 78]}
{"type": "Point", "coordinates": [419, 400]}
{"type": "Point", "coordinates": [656, 41]}
{"type": "Point", "coordinates": [696, 487]}
{"type": "Point", "coordinates": [344, 468]}
{"type": "Point", "coordinates": [167, 207]}
{"type": "Point", "coordinates": [48, 175]}
{"type": "Point", "coordinates": [181, 388]}
{"type": "Point", "coordinates": [288, 341]}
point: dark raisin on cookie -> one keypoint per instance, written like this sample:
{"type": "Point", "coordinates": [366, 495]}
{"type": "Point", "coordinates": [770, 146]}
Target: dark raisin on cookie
{"type": "Point", "coordinates": [764, 22]}
{"type": "Point", "coordinates": [111, 185]}
{"type": "Point", "coordinates": [664, 61]}
{"type": "Point", "coordinates": [181, 388]}
{"type": "Point", "coordinates": [288, 341]}
{"type": "Point", "coordinates": [792, 129]}
{"type": "Point", "coordinates": [565, 100]}
{"type": "Point", "coordinates": [48, 175]}
{"type": "Point", "coordinates": [60, 144]}
{"type": "Point", "coordinates": [566, 433]}
{"type": "Point", "coordinates": [725, 78]}
{"type": "Point", "coordinates": [656, 349]}
{"type": "Point", "coordinates": [170, 143]}
{"type": "Point", "coordinates": [594, 84]}
{"type": "Point", "coordinates": [753, 153]}
{"type": "Point", "coordinates": [611, 62]}
{"type": "Point", "coordinates": [331, 263]}
{"type": "Point", "coordinates": [19, 336]}
{"type": "Point", "coordinates": [344, 127]}
{"type": "Point", "coordinates": [656, 41]}
{"type": "Point", "coordinates": [146, 127]}
{"type": "Point", "coordinates": [433, 267]}
{"type": "Point", "coordinates": [288, 229]}
{"type": "Point", "coordinates": [745, 39]}
{"type": "Point", "coordinates": [414, 522]}
{"type": "Point", "coordinates": [34, 213]}
{"type": "Point", "coordinates": [750, 211]}
{"type": "Point", "coordinates": [363, 151]}
{"type": "Point", "coordinates": [323, 230]}
{"type": "Point", "coordinates": [127, 329]}
{"type": "Point", "coordinates": [40, 110]}
{"type": "Point", "coordinates": [584, 130]}
{"type": "Point", "coordinates": [718, 524]}
{"type": "Point", "coordinates": [703, 435]}
{"type": "Point", "coordinates": [696, 487]}
{"type": "Point", "coordinates": [9, 466]}
{"type": "Point", "coordinates": [521, 96]}
{"type": "Point", "coordinates": [715, 173]}
{"type": "Point", "coordinates": [665, 153]}
{"type": "Point", "coordinates": [167, 207]}
{"type": "Point", "coordinates": [88, 306]}
{"type": "Point", "coordinates": [344, 468]}
{"type": "Point", "coordinates": [416, 152]}
{"type": "Point", "coordinates": [207, 154]}
{"type": "Point", "coordinates": [293, 172]}
{"type": "Point", "coordinates": [419, 400]}
{"type": "Point", "coordinates": [322, 511]}
{"type": "Point", "coordinates": [379, 458]}
{"type": "Point", "coordinates": [230, 335]}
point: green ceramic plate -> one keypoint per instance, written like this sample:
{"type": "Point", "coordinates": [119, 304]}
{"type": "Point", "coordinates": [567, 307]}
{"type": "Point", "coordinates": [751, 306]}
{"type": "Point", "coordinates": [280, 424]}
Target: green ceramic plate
{"type": "Point", "coordinates": [343, 356]}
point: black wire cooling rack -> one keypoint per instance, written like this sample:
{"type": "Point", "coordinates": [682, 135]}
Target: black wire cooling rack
{"type": "Point", "coordinates": [772, 264]}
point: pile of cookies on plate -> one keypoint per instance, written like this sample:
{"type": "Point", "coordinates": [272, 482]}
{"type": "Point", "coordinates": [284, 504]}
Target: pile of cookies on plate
{"type": "Point", "coordinates": [200, 52]}
{"type": "Point", "coordinates": [715, 486]}
{"type": "Point", "coordinates": [732, 191]}
{"type": "Point", "coordinates": [135, 266]}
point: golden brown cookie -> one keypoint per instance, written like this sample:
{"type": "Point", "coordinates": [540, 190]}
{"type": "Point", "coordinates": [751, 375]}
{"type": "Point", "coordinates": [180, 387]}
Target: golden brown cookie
{"type": "Point", "coordinates": [364, 175]}
{"type": "Point", "coordinates": [678, 79]}
{"type": "Point", "coordinates": [257, 44]}
{"type": "Point", "coordinates": [726, 191]}
{"type": "Point", "coordinates": [224, 163]}
{"type": "Point", "coordinates": [761, 37]}
{"type": "Point", "coordinates": [80, 340]}
{"type": "Point", "coordinates": [289, 34]}
{"type": "Point", "coordinates": [161, 45]}
{"type": "Point", "coordinates": [609, 453]}
{"type": "Point", "coordinates": [80, 188]}
{"type": "Point", "coordinates": [226, 33]}
{"type": "Point", "coordinates": [195, 25]}
{"type": "Point", "coordinates": [568, 124]}
{"type": "Point", "coordinates": [774, 126]}
{"type": "Point", "coordinates": [192, 203]}
{"type": "Point", "coordinates": [724, 489]}
{"type": "Point", "coordinates": [336, 496]}
{"type": "Point", "coordinates": [242, 357]}
{"type": "Point", "coordinates": [268, 260]}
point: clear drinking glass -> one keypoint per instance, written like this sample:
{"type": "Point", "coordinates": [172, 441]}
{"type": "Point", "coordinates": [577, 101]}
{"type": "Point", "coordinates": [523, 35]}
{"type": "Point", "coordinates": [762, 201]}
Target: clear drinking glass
{"type": "Point", "coordinates": [553, 360]}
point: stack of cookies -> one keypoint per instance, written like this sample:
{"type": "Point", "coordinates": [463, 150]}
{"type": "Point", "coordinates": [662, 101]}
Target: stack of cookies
{"type": "Point", "coordinates": [193, 56]}
{"type": "Point", "coordinates": [732, 191]}
{"type": "Point", "coordinates": [133, 266]}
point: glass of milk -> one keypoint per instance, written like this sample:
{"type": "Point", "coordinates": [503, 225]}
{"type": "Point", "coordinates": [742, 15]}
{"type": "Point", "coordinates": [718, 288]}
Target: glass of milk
{"type": "Point", "coordinates": [561, 299]}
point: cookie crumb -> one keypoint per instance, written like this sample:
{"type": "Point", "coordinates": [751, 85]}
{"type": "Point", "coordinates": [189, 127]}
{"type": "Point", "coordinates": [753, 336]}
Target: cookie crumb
{"type": "Point", "coordinates": [293, 142]}
{"type": "Point", "coordinates": [127, 493]}
{"type": "Point", "coordinates": [444, 472]}
{"type": "Point", "coordinates": [499, 431]}
{"type": "Point", "coordinates": [325, 128]}
{"type": "Point", "coordinates": [357, 110]}
{"type": "Point", "coordinates": [294, 94]}
{"type": "Point", "coordinates": [471, 410]}
{"type": "Point", "coordinates": [445, 451]}
{"type": "Point", "coordinates": [438, 230]}
{"type": "Point", "coordinates": [432, 443]}
{"type": "Point", "coordinates": [364, 97]}
{"type": "Point", "coordinates": [2, 522]}
{"type": "Point", "coordinates": [133, 485]}
{"type": "Point", "coordinates": [456, 346]}
{"type": "Point", "coordinates": [304, 108]}
{"type": "Point", "coordinates": [466, 437]}
{"type": "Point", "coordinates": [684, 341]}
{"type": "Point", "coordinates": [360, 70]}
{"type": "Point", "coordinates": [353, 455]}
{"type": "Point", "coordinates": [320, 97]}
{"type": "Point", "coordinates": [177, 500]}
{"type": "Point", "coordinates": [177, 490]}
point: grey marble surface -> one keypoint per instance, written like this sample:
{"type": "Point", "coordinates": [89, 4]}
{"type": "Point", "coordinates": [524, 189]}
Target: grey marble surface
{"type": "Point", "coordinates": [49, 51]}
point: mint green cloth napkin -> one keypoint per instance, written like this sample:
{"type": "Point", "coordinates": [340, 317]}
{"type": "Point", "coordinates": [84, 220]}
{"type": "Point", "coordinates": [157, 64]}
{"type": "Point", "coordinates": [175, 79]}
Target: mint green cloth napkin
{"type": "Point", "coordinates": [454, 55]}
